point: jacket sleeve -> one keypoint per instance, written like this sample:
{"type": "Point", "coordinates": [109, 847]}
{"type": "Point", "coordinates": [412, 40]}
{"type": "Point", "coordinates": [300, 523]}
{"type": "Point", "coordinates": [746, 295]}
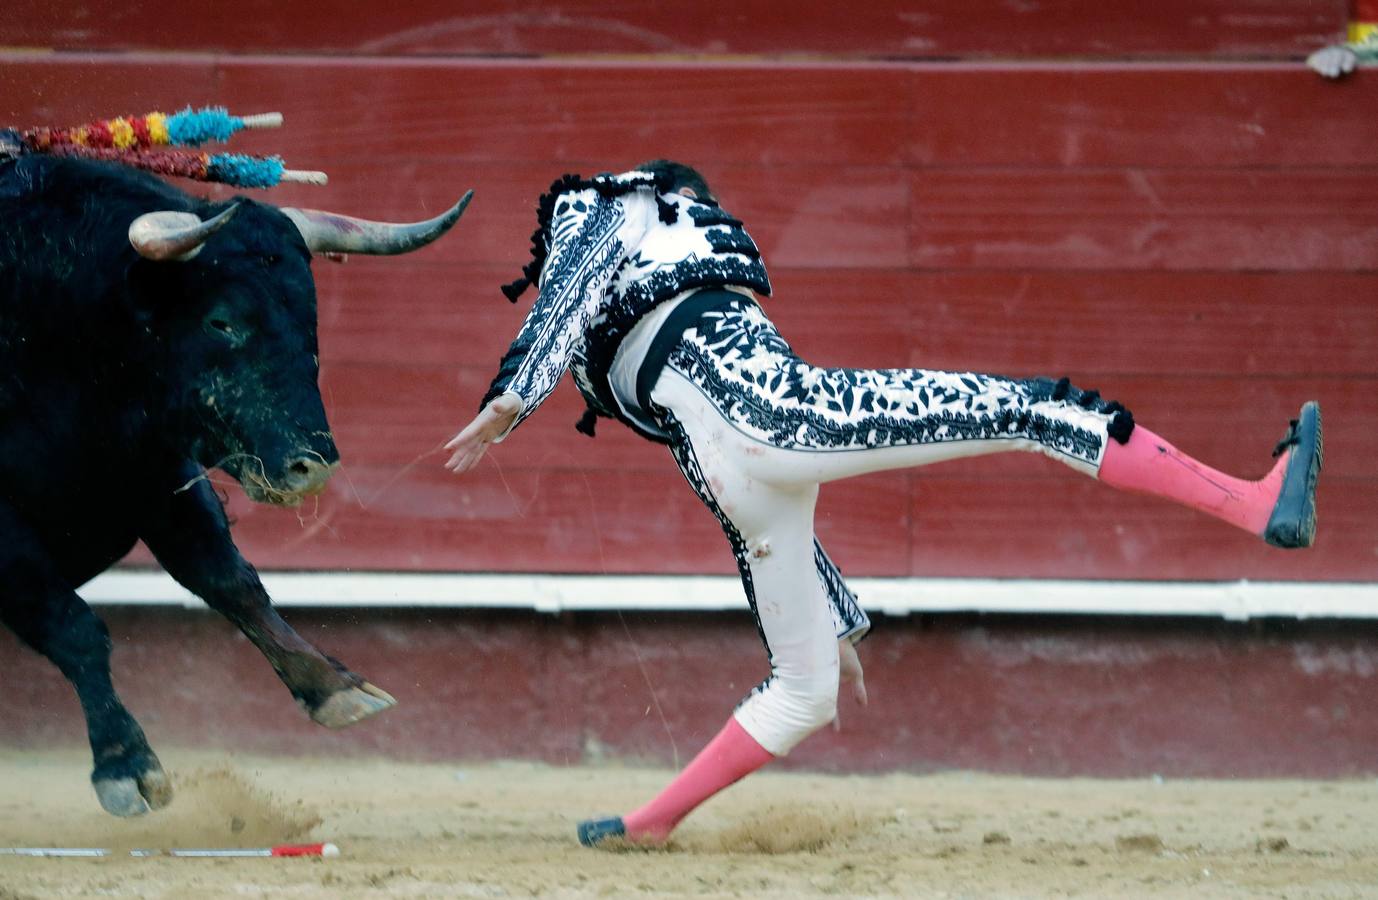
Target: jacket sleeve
{"type": "Point", "coordinates": [589, 234]}
{"type": "Point", "coordinates": [850, 621]}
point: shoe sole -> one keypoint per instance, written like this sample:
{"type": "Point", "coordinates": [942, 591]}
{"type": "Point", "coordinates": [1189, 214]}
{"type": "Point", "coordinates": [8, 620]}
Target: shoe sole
{"type": "Point", "coordinates": [1293, 522]}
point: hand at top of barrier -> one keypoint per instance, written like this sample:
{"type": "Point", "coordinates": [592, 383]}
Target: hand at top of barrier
{"type": "Point", "coordinates": [1333, 62]}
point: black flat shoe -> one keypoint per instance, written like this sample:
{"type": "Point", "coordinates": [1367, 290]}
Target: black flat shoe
{"type": "Point", "coordinates": [593, 832]}
{"type": "Point", "coordinates": [1293, 522]}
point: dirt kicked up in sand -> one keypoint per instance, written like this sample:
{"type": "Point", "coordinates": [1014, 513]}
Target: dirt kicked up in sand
{"type": "Point", "coordinates": [507, 830]}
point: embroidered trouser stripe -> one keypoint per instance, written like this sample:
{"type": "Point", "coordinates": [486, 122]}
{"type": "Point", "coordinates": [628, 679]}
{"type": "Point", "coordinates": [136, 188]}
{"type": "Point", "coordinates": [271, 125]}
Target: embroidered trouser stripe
{"type": "Point", "coordinates": [683, 452]}
{"type": "Point", "coordinates": [772, 398]}
{"type": "Point", "coordinates": [849, 619]}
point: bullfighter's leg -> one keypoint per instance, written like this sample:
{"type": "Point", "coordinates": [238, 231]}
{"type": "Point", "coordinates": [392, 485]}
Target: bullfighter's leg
{"type": "Point", "coordinates": [43, 610]}
{"type": "Point", "coordinates": [770, 529]}
{"type": "Point", "coordinates": [189, 534]}
{"type": "Point", "coordinates": [792, 423]}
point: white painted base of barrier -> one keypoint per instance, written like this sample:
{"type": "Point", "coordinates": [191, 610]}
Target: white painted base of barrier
{"type": "Point", "coordinates": [1234, 600]}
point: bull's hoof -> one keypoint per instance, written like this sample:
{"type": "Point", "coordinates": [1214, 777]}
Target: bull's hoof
{"type": "Point", "coordinates": [351, 705]}
{"type": "Point", "coordinates": [132, 787]}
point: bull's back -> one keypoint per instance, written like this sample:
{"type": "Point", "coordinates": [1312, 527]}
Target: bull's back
{"type": "Point", "coordinates": [68, 462]}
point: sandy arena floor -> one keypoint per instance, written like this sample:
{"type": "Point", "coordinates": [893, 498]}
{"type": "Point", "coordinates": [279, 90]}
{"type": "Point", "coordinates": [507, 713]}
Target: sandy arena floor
{"type": "Point", "coordinates": [507, 830]}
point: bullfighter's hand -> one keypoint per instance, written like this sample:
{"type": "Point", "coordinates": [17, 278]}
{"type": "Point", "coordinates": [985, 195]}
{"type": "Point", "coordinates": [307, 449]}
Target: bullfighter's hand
{"type": "Point", "coordinates": [849, 673]}
{"type": "Point", "coordinates": [491, 423]}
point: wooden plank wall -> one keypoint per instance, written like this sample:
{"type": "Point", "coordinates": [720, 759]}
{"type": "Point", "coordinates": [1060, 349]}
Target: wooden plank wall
{"type": "Point", "coordinates": [1194, 234]}
{"type": "Point", "coordinates": [1046, 695]}
{"type": "Point", "coordinates": [878, 29]}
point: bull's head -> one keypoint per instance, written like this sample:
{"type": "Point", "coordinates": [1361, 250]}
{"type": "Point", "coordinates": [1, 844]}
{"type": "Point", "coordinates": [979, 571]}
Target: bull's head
{"type": "Point", "coordinates": [235, 321]}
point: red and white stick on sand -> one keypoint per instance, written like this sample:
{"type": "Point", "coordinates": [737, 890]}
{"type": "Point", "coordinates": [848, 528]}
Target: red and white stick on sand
{"type": "Point", "coordinates": [326, 849]}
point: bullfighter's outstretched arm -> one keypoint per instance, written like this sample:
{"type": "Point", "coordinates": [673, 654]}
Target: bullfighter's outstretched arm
{"type": "Point", "coordinates": [588, 243]}
{"type": "Point", "coordinates": [590, 234]}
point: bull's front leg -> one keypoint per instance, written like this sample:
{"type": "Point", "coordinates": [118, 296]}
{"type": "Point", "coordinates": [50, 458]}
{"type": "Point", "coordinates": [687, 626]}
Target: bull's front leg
{"type": "Point", "coordinates": [41, 608]}
{"type": "Point", "coordinates": [189, 534]}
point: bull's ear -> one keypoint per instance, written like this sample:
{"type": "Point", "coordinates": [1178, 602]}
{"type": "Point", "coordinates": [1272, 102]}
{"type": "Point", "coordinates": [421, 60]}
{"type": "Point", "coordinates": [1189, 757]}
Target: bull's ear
{"type": "Point", "coordinates": [169, 235]}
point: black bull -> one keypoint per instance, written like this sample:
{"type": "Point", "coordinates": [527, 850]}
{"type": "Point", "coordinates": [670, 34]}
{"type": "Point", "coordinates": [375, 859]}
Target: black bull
{"type": "Point", "coordinates": [132, 359]}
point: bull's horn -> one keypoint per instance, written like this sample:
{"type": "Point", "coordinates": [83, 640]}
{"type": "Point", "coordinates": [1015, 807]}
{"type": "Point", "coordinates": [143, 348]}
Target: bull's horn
{"type": "Point", "coordinates": [327, 232]}
{"type": "Point", "coordinates": [169, 235]}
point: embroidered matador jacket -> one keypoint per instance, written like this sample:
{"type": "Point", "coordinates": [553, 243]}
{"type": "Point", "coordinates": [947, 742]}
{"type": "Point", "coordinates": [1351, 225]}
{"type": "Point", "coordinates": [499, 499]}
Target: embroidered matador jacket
{"type": "Point", "coordinates": [606, 251]}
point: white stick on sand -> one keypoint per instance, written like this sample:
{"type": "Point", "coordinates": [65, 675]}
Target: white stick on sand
{"type": "Point", "coordinates": [326, 849]}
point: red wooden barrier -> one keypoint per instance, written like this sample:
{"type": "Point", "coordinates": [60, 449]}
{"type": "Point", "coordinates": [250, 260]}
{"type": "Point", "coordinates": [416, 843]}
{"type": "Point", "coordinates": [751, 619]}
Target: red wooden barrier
{"type": "Point", "coordinates": [1192, 235]}
{"type": "Point", "coordinates": [1195, 240]}
{"type": "Point", "coordinates": [1046, 696]}
{"type": "Point", "coordinates": [884, 29]}
{"type": "Point", "coordinates": [962, 116]}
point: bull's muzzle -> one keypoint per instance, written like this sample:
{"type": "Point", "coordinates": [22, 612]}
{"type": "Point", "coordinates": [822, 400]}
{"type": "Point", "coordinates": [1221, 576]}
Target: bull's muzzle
{"type": "Point", "coordinates": [302, 477]}
{"type": "Point", "coordinates": [307, 475]}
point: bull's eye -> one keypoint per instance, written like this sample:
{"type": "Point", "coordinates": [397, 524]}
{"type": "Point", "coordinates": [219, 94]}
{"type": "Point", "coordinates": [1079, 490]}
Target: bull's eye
{"type": "Point", "coordinates": [222, 327]}
{"type": "Point", "coordinates": [269, 260]}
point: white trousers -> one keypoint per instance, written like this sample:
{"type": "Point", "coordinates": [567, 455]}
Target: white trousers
{"type": "Point", "coordinates": [755, 431]}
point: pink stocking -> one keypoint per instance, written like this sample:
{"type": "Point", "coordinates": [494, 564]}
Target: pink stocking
{"type": "Point", "coordinates": [1147, 464]}
{"type": "Point", "coordinates": [728, 758]}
